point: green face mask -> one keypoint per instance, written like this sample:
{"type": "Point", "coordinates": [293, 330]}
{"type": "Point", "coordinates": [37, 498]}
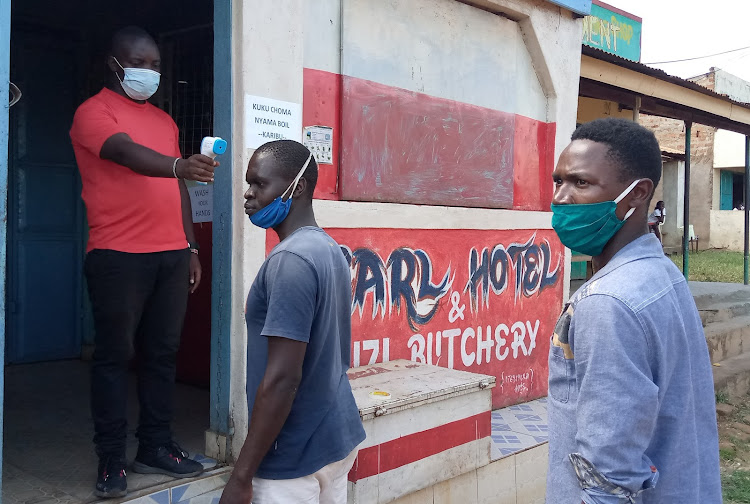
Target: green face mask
{"type": "Point", "coordinates": [587, 228]}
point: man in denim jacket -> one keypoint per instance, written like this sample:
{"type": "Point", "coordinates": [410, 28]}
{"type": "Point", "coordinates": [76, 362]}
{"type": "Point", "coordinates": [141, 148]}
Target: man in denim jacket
{"type": "Point", "coordinates": [631, 400]}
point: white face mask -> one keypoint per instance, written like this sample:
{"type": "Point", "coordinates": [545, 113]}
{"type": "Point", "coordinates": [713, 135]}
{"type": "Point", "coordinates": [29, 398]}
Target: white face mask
{"type": "Point", "coordinates": [139, 83]}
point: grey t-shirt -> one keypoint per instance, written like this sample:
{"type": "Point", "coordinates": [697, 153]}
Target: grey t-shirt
{"type": "Point", "coordinates": [303, 292]}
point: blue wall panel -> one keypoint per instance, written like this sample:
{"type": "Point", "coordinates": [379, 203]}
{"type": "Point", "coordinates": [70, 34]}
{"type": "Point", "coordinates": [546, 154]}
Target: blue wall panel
{"type": "Point", "coordinates": [4, 93]}
{"type": "Point", "coordinates": [582, 7]}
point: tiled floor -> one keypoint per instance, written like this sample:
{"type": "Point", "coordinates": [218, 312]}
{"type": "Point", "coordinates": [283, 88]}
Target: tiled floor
{"type": "Point", "coordinates": [518, 428]}
{"type": "Point", "coordinates": [48, 456]}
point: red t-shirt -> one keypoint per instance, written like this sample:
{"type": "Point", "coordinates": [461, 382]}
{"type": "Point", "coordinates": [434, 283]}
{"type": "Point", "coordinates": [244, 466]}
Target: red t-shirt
{"type": "Point", "coordinates": [127, 212]}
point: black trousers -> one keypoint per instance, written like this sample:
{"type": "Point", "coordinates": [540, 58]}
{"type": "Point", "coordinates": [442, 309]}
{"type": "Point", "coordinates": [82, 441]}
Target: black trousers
{"type": "Point", "coordinates": [139, 303]}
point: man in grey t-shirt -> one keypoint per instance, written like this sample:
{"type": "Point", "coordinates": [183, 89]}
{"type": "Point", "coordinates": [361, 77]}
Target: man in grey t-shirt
{"type": "Point", "coordinates": [304, 423]}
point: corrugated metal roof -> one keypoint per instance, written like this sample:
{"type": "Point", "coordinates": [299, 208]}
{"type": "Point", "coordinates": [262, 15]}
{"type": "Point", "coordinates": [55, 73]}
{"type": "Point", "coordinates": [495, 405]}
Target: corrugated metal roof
{"type": "Point", "coordinates": [655, 72]}
{"type": "Point", "coordinates": [672, 154]}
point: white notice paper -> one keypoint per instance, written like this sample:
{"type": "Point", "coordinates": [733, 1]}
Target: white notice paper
{"type": "Point", "coordinates": [319, 139]}
{"type": "Point", "coordinates": [267, 120]}
{"type": "Point", "coordinates": [202, 201]}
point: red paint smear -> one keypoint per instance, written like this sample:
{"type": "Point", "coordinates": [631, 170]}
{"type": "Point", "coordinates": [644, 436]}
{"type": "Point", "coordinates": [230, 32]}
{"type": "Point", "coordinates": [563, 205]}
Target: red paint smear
{"type": "Point", "coordinates": [547, 164]}
{"type": "Point", "coordinates": [618, 11]}
{"type": "Point", "coordinates": [353, 375]}
{"type": "Point", "coordinates": [533, 163]}
{"type": "Point", "coordinates": [322, 107]}
{"type": "Point", "coordinates": [406, 147]}
{"type": "Point", "coordinates": [414, 447]}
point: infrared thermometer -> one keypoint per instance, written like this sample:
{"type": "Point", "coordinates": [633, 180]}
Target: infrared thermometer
{"type": "Point", "coordinates": [212, 147]}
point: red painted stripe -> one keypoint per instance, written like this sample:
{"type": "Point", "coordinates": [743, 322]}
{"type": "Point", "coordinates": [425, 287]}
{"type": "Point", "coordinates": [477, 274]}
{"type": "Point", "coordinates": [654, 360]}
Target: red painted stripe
{"type": "Point", "coordinates": [533, 163]}
{"type": "Point", "coordinates": [407, 147]}
{"type": "Point", "coordinates": [322, 107]}
{"type": "Point", "coordinates": [400, 146]}
{"type": "Point", "coordinates": [621, 12]}
{"type": "Point", "coordinates": [413, 447]}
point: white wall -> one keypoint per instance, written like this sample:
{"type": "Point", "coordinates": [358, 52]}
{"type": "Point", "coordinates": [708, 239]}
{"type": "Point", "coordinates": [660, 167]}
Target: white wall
{"type": "Point", "coordinates": [673, 194]}
{"type": "Point", "coordinates": [274, 40]}
{"type": "Point", "coordinates": [268, 42]}
{"type": "Point", "coordinates": [726, 230]}
{"type": "Point", "coordinates": [458, 52]}
{"type": "Point", "coordinates": [734, 87]}
{"type": "Point", "coordinates": [729, 149]}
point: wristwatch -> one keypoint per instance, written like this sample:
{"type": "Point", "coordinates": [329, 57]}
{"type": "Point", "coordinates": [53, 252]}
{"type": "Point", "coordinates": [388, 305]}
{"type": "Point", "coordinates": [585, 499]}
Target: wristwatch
{"type": "Point", "coordinates": [194, 247]}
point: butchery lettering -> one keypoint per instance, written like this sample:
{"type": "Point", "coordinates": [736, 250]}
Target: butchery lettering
{"type": "Point", "coordinates": [407, 281]}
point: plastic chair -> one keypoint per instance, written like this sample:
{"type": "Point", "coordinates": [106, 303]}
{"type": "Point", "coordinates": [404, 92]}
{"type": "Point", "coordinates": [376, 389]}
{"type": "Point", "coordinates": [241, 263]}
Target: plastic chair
{"type": "Point", "coordinates": [661, 232]}
{"type": "Point", "coordinates": [692, 238]}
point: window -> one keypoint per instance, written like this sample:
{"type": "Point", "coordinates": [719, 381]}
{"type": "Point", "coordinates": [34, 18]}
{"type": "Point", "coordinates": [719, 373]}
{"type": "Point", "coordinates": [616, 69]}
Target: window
{"type": "Point", "coordinates": [732, 190]}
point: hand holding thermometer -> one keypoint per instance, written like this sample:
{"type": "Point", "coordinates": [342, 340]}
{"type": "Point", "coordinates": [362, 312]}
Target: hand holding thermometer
{"type": "Point", "coordinates": [212, 147]}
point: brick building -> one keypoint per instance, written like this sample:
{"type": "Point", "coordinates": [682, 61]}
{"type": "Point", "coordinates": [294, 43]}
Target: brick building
{"type": "Point", "coordinates": [716, 175]}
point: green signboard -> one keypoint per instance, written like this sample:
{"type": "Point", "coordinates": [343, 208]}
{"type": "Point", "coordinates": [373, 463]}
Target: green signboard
{"type": "Point", "coordinates": [613, 31]}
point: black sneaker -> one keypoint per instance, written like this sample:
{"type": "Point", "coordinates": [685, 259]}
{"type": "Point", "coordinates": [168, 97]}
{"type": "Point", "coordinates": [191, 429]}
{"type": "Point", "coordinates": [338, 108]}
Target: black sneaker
{"type": "Point", "coordinates": [170, 460]}
{"type": "Point", "coordinates": [112, 479]}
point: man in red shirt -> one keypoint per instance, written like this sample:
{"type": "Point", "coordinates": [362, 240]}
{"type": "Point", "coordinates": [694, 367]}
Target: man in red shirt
{"type": "Point", "coordinates": [142, 258]}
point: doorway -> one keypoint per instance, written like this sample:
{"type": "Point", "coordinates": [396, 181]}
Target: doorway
{"type": "Point", "coordinates": [58, 51]}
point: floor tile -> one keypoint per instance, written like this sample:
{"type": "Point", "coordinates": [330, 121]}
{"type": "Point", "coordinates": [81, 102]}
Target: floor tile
{"type": "Point", "coordinates": [519, 427]}
{"type": "Point", "coordinates": [500, 427]}
{"type": "Point", "coordinates": [528, 418]}
{"type": "Point", "coordinates": [521, 407]}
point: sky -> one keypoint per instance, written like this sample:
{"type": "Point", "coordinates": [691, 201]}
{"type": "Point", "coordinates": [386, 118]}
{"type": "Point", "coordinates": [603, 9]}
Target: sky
{"type": "Point", "coordinates": [678, 29]}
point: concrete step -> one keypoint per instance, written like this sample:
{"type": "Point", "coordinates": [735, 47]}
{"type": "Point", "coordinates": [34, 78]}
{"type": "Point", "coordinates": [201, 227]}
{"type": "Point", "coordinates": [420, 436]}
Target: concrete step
{"type": "Point", "coordinates": [205, 489]}
{"type": "Point", "coordinates": [723, 311]}
{"type": "Point", "coordinates": [733, 376]}
{"type": "Point", "coordinates": [706, 293]}
{"type": "Point", "coordinates": [728, 338]}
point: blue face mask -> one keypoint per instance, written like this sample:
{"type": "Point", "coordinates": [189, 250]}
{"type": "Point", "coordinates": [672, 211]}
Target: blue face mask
{"type": "Point", "coordinates": [139, 83]}
{"type": "Point", "coordinates": [587, 228]}
{"type": "Point", "coordinates": [276, 211]}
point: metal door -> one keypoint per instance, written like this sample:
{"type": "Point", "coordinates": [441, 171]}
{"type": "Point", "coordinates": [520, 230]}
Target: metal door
{"type": "Point", "coordinates": [726, 189]}
{"type": "Point", "coordinates": [45, 210]}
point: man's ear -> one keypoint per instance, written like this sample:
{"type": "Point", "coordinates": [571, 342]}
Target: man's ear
{"type": "Point", "coordinates": [641, 193]}
{"type": "Point", "coordinates": [301, 188]}
{"type": "Point", "coordinates": [112, 64]}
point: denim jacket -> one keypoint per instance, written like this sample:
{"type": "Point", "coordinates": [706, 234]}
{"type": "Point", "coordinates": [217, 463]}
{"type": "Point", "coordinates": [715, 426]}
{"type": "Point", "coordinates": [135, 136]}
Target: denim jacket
{"type": "Point", "coordinates": [631, 405]}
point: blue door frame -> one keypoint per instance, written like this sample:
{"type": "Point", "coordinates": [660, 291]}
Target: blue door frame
{"type": "Point", "coordinates": [221, 299]}
{"type": "Point", "coordinates": [221, 284]}
{"type": "Point", "coordinates": [4, 92]}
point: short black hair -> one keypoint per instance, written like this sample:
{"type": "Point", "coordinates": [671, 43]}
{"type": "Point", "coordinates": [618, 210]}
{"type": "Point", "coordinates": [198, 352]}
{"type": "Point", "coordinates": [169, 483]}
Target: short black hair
{"type": "Point", "coordinates": [634, 148]}
{"type": "Point", "coordinates": [291, 157]}
{"type": "Point", "coordinates": [127, 35]}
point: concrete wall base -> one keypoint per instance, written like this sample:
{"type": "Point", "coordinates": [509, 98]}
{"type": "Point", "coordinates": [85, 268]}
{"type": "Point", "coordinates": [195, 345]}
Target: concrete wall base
{"type": "Point", "coordinates": [518, 478]}
{"type": "Point", "coordinates": [216, 446]}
